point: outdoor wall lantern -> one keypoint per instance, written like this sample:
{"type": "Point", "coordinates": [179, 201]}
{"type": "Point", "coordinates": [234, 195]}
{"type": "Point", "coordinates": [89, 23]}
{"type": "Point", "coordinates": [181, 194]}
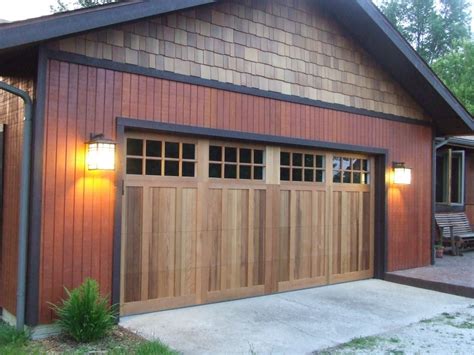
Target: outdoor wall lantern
{"type": "Point", "coordinates": [100, 153]}
{"type": "Point", "coordinates": [401, 174]}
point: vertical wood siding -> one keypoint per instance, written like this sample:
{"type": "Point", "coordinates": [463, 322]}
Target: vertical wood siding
{"type": "Point", "coordinates": [11, 114]}
{"type": "Point", "coordinates": [77, 227]}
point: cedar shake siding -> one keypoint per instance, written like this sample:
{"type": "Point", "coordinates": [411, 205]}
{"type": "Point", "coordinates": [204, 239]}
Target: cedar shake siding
{"type": "Point", "coordinates": [78, 204]}
{"type": "Point", "coordinates": [289, 47]}
{"type": "Point", "coordinates": [11, 114]}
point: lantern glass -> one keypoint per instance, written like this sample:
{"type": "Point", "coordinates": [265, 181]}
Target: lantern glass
{"type": "Point", "coordinates": [101, 156]}
{"type": "Point", "coordinates": [402, 176]}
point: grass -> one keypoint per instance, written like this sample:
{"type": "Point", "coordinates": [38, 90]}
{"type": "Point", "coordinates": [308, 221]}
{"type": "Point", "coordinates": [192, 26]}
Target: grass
{"type": "Point", "coordinates": [363, 343]}
{"type": "Point", "coordinates": [120, 342]}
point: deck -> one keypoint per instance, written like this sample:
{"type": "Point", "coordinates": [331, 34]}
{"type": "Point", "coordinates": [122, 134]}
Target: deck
{"type": "Point", "coordinates": [450, 274]}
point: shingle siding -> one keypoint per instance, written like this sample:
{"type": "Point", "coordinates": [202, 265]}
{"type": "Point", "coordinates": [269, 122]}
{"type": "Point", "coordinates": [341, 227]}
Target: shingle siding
{"type": "Point", "coordinates": [290, 47]}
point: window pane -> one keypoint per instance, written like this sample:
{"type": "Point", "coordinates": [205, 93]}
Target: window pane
{"type": "Point", "coordinates": [357, 178]}
{"type": "Point", "coordinates": [230, 154]}
{"type": "Point", "coordinates": [215, 153]}
{"type": "Point", "coordinates": [188, 151]}
{"type": "Point", "coordinates": [365, 179]}
{"type": "Point", "coordinates": [284, 158]}
{"type": "Point", "coordinates": [308, 175]}
{"type": "Point", "coordinates": [319, 176]}
{"type": "Point", "coordinates": [308, 160]}
{"type": "Point", "coordinates": [134, 146]}
{"type": "Point", "coordinates": [215, 170]}
{"type": "Point", "coordinates": [365, 165]}
{"type": "Point", "coordinates": [188, 169]}
{"type": "Point", "coordinates": [346, 177]}
{"type": "Point", "coordinates": [297, 159]}
{"type": "Point", "coordinates": [346, 163]}
{"type": "Point", "coordinates": [285, 174]}
{"type": "Point", "coordinates": [230, 171]}
{"type": "Point", "coordinates": [258, 172]}
{"type": "Point", "coordinates": [245, 155]}
{"type": "Point", "coordinates": [153, 148]}
{"type": "Point", "coordinates": [319, 161]}
{"type": "Point", "coordinates": [336, 176]}
{"type": "Point", "coordinates": [153, 167]}
{"type": "Point", "coordinates": [258, 156]}
{"type": "Point", "coordinates": [171, 151]}
{"type": "Point", "coordinates": [171, 168]}
{"type": "Point", "coordinates": [336, 163]}
{"type": "Point", "coordinates": [356, 165]}
{"type": "Point", "coordinates": [441, 179]}
{"type": "Point", "coordinates": [456, 179]}
{"type": "Point", "coordinates": [134, 166]}
{"type": "Point", "coordinates": [297, 174]}
{"type": "Point", "coordinates": [245, 172]}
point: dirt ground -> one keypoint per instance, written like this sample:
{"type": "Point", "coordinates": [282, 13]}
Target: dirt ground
{"type": "Point", "coordinates": [448, 333]}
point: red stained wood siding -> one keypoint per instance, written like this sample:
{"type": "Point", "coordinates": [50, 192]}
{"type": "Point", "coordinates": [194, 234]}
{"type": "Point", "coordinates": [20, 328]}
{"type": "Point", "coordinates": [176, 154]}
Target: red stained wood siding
{"type": "Point", "coordinates": [11, 114]}
{"type": "Point", "coordinates": [77, 228]}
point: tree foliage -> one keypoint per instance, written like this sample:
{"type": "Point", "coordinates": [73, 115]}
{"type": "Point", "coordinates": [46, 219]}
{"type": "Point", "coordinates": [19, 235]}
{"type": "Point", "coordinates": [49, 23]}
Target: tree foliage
{"type": "Point", "coordinates": [456, 69]}
{"type": "Point", "coordinates": [66, 5]}
{"type": "Point", "coordinates": [434, 28]}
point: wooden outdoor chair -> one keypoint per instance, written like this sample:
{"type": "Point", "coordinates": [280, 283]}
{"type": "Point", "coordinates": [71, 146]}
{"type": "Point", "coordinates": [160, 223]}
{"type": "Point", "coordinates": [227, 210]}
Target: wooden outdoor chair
{"type": "Point", "coordinates": [455, 231]}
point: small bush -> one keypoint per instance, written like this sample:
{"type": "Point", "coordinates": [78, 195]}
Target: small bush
{"type": "Point", "coordinates": [85, 315]}
{"type": "Point", "coordinates": [10, 336]}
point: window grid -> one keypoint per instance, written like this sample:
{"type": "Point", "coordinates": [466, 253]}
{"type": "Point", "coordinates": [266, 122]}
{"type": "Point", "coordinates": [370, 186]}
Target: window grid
{"type": "Point", "coordinates": [350, 170]}
{"type": "Point", "coordinates": [237, 163]}
{"type": "Point", "coordinates": [172, 158]}
{"type": "Point", "coordinates": [302, 167]}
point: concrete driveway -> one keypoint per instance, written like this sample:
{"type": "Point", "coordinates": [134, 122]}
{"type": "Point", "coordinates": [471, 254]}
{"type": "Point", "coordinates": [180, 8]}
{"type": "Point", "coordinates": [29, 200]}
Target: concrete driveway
{"type": "Point", "coordinates": [294, 322]}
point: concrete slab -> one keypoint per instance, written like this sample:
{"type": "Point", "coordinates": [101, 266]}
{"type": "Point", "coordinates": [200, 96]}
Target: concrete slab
{"type": "Point", "coordinates": [294, 322]}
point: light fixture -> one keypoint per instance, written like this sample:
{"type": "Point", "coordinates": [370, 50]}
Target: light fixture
{"type": "Point", "coordinates": [100, 153]}
{"type": "Point", "coordinates": [401, 174]}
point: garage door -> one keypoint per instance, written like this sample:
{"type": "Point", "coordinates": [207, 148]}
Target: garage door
{"type": "Point", "coordinates": [206, 220]}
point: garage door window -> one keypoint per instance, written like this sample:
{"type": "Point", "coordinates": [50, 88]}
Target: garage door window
{"type": "Point", "coordinates": [350, 170]}
{"type": "Point", "coordinates": [296, 166]}
{"type": "Point", "coordinates": [160, 158]}
{"type": "Point", "coordinates": [231, 162]}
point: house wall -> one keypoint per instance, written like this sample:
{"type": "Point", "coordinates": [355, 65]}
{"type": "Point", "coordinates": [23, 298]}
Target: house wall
{"type": "Point", "coordinates": [78, 205]}
{"type": "Point", "coordinates": [11, 114]}
{"type": "Point", "coordinates": [290, 47]}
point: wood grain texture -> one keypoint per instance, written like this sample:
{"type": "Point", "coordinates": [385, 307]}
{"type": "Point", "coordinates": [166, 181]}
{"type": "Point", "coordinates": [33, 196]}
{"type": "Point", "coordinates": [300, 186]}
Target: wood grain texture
{"type": "Point", "coordinates": [294, 48]}
{"type": "Point", "coordinates": [91, 207]}
{"type": "Point", "coordinates": [11, 115]}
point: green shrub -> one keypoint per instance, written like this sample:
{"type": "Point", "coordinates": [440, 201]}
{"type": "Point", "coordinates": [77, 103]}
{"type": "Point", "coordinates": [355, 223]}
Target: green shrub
{"type": "Point", "coordinates": [10, 336]}
{"type": "Point", "coordinates": [154, 348]}
{"type": "Point", "coordinates": [85, 315]}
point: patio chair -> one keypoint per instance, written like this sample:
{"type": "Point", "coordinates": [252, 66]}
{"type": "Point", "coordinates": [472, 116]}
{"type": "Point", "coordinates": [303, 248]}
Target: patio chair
{"type": "Point", "coordinates": [455, 230]}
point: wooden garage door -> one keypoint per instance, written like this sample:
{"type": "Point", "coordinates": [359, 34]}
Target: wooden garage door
{"type": "Point", "coordinates": [205, 221]}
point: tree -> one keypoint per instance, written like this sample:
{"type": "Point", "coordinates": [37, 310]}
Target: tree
{"type": "Point", "coordinates": [66, 5]}
{"type": "Point", "coordinates": [434, 28]}
{"type": "Point", "coordinates": [456, 69]}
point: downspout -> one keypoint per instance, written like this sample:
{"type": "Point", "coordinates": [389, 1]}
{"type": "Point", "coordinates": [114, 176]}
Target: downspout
{"type": "Point", "coordinates": [24, 202]}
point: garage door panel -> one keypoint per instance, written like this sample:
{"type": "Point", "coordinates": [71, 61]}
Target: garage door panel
{"type": "Point", "coordinates": [132, 268]}
{"type": "Point", "coordinates": [351, 237]}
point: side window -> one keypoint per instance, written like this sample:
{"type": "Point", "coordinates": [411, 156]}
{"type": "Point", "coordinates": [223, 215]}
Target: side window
{"type": "Point", "coordinates": [160, 158]}
{"type": "Point", "coordinates": [351, 170]}
{"type": "Point", "coordinates": [232, 162]}
{"type": "Point", "coordinates": [450, 177]}
{"type": "Point", "coordinates": [304, 167]}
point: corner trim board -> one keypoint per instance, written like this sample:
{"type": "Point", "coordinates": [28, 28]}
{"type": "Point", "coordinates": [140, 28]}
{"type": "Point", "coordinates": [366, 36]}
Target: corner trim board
{"type": "Point", "coordinates": [34, 243]}
{"type": "Point", "coordinates": [134, 69]}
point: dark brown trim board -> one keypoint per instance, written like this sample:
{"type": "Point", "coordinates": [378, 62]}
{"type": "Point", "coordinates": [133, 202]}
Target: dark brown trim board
{"type": "Point", "coordinates": [134, 69]}
{"type": "Point", "coordinates": [431, 285]}
{"type": "Point", "coordinates": [381, 156]}
{"type": "Point", "coordinates": [34, 243]}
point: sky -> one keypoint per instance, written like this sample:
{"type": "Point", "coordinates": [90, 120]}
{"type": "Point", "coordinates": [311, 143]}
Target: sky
{"type": "Point", "coordinates": [14, 10]}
